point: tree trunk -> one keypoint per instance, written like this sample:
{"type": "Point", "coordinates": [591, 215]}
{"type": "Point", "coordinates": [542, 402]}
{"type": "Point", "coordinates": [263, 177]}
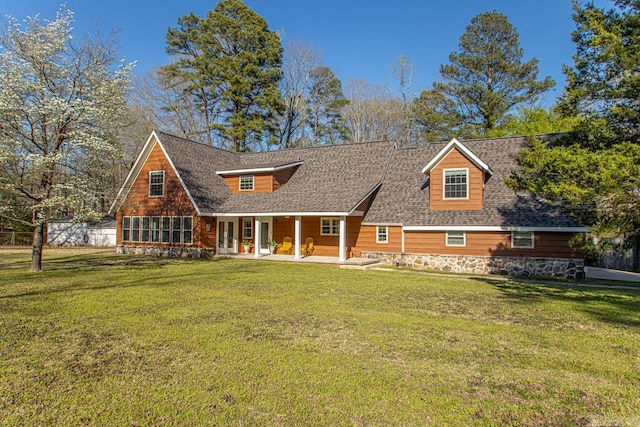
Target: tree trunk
{"type": "Point", "coordinates": [36, 253]}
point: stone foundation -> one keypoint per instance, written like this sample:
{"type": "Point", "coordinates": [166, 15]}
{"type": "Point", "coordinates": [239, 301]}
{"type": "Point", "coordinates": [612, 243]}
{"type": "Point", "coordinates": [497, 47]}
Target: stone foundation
{"type": "Point", "coordinates": [565, 268]}
{"type": "Point", "coordinates": [166, 251]}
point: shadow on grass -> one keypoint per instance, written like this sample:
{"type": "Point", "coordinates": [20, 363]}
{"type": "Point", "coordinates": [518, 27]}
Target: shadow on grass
{"type": "Point", "coordinates": [616, 306]}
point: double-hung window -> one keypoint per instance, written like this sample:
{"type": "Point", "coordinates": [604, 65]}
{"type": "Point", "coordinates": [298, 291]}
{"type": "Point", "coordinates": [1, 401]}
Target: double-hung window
{"type": "Point", "coordinates": [246, 183]}
{"type": "Point", "coordinates": [126, 228]}
{"type": "Point", "coordinates": [155, 229]}
{"type": "Point", "coordinates": [145, 229]}
{"type": "Point", "coordinates": [135, 229]}
{"type": "Point", "coordinates": [456, 183]}
{"type": "Point", "coordinates": [156, 184]}
{"type": "Point", "coordinates": [166, 229]}
{"type": "Point", "coordinates": [176, 229]}
{"type": "Point", "coordinates": [247, 228]}
{"type": "Point", "coordinates": [456, 238]}
{"type": "Point", "coordinates": [382, 234]}
{"type": "Point", "coordinates": [187, 230]}
{"type": "Point", "coordinates": [330, 226]}
{"type": "Point", "coordinates": [522, 239]}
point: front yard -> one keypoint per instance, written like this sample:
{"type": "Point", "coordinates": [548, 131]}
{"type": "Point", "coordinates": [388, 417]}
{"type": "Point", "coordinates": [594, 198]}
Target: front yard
{"type": "Point", "coordinates": [101, 339]}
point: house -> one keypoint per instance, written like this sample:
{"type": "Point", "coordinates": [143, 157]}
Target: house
{"type": "Point", "coordinates": [441, 206]}
{"type": "Point", "coordinates": [66, 232]}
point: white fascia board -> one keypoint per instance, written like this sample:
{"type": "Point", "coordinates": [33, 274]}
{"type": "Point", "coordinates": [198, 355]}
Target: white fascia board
{"type": "Point", "coordinates": [388, 224]}
{"type": "Point", "coordinates": [258, 170]}
{"type": "Point", "coordinates": [133, 173]}
{"type": "Point", "coordinates": [234, 214]}
{"type": "Point", "coordinates": [454, 143]}
{"type": "Point", "coordinates": [492, 228]}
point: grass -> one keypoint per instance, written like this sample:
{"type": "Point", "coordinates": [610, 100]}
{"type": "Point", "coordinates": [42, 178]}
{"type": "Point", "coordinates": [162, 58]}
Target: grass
{"type": "Point", "coordinates": [102, 339]}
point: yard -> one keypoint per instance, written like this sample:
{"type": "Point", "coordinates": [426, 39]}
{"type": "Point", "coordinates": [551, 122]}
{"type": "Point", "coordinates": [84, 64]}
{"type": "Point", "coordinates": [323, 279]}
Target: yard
{"type": "Point", "coordinates": [102, 339]}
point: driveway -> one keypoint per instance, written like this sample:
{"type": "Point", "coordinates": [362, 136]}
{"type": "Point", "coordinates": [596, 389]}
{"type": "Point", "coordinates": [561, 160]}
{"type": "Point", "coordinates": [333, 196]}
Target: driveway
{"type": "Point", "coordinates": [608, 274]}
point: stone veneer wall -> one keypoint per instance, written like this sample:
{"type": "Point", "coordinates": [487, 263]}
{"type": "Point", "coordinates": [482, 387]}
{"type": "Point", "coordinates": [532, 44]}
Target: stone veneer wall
{"type": "Point", "coordinates": [568, 268]}
{"type": "Point", "coordinates": [166, 251]}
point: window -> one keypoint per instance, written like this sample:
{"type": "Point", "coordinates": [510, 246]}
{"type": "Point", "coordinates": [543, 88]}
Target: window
{"type": "Point", "coordinates": [135, 229]}
{"type": "Point", "coordinates": [187, 230]}
{"type": "Point", "coordinates": [330, 226]}
{"type": "Point", "coordinates": [126, 228]}
{"type": "Point", "coordinates": [382, 234]}
{"type": "Point", "coordinates": [176, 229]}
{"type": "Point", "coordinates": [522, 239]}
{"type": "Point", "coordinates": [247, 228]}
{"type": "Point", "coordinates": [246, 182]}
{"type": "Point", "coordinates": [456, 238]}
{"type": "Point", "coordinates": [455, 183]}
{"type": "Point", "coordinates": [145, 229]}
{"type": "Point", "coordinates": [155, 229]}
{"type": "Point", "coordinates": [166, 229]}
{"type": "Point", "coordinates": [156, 184]}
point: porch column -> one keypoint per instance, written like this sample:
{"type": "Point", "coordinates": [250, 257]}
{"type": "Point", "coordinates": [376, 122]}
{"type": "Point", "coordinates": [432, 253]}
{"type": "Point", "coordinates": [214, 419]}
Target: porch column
{"type": "Point", "coordinates": [342, 253]}
{"type": "Point", "coordinates": [296, 254]}
{"type": "Point", "coordinates": [256, 235]}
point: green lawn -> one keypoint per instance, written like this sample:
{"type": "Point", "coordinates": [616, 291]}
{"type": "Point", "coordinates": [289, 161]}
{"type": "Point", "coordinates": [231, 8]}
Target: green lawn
{"type": "Point", "coordinates": [102, 339]}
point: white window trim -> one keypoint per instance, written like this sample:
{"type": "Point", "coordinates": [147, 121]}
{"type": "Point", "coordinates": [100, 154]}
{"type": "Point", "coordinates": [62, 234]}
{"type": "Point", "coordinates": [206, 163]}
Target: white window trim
{"type": "Point", "coordinates": [334, 223]}
{"type": "Point", "coordinates": [444, 183]}
{"type": "Point", "coordinates": [253, 183]}
{"type": "Point", "coordinates": [245, 221]}
{"type": "Point", "coordinates": [464, 239]}
{"type": "Point", "coordinates": [151, 173]}
{"type": "Point", "coordinates": [533, 240]}
{"type": "Point", "coordinates": [386, 234]}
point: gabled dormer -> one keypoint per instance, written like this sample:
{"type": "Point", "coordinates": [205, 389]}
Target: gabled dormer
{"type": "Point", "coordinates": [258, 178]}
{"type": "Point", "coordinates": [456, 179]}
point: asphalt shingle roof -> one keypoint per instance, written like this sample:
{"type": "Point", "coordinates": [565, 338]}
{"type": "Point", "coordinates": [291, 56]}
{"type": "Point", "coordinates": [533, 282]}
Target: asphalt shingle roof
{"type": "Point", "coordinates": [403, 198]}
{"type": "Point", "coordinates": [330, 179]}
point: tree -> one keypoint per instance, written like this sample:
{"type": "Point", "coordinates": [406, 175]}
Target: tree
{"type": "Point", "coordinates": [436, 116]}
{"type": "Point", "coordinates": [230, 63]}
{"type": "Point", "coordinates": [61, 105]}
{"type": "Point", "coordinates": [604, 83]}
{"type": "Point", "coordinates": [595, 170]}
{"type": "Point", "coordinates": [324, 108]}
{"type": "Point", "coordinates": [403, 71]}
{"type": "Point", "coordinates": [486, 78]}
{"type": "Point", "coordinates": [298, 62]}
{"type": "Point", "coordinates": [534, 121]}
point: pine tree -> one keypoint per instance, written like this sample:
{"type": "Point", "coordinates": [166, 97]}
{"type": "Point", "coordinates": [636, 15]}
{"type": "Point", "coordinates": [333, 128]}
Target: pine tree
{"type": "Point", "coordinates": [231, 62]}
{"type": "Point", "coordinates": [486, 78]}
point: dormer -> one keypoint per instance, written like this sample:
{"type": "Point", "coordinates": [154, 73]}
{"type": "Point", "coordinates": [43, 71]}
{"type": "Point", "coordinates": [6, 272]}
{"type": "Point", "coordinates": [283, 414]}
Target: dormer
{"type": "Point", "coordinates": [456, 179]}
{"type": "Point", "coordinates": [258, 178]}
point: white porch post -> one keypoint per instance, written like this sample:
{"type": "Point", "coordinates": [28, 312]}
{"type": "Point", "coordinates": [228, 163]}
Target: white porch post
{"type": "Point", "coordinates": [296, 254]}
{"type": "Point", "coordinates": [342, 255]}
{"type": "Point", "coordinates": [256, 234]}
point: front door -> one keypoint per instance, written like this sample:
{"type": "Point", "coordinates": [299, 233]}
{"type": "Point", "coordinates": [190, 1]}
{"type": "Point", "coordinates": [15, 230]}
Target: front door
{"type": "Point", "coordinates": [227, 239]}
{"type": "Point", "coordinates": [264, 237]}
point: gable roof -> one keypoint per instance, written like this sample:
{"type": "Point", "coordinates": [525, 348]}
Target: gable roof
{"type": "Point", "coordinates": [455, 144]}
{"type": "Point", "coordinates": [404, 196]}
{"type": "Point", "coordinates": [329, 179]}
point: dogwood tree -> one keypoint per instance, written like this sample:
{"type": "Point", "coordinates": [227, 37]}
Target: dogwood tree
{"type": "Point", "coordinates": [61, 107]}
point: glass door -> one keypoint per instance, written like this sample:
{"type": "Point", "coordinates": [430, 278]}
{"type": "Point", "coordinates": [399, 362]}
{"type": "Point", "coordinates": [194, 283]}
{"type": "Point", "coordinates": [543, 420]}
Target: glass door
{"type": "Point", "coordinates": [227, 239]}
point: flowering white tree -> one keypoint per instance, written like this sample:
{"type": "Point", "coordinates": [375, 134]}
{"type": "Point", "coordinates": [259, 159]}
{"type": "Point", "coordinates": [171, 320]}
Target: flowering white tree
{"type": "Point", "coordinates": [62, 104]}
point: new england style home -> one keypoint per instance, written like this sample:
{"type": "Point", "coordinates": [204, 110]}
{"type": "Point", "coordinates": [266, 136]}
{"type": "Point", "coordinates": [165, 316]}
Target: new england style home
{"type": "Point", "coordinates": [441, 206]}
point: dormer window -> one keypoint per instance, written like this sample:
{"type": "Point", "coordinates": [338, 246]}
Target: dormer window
{"type": "Point", "coordinates": [456, 183]}
{"type": "Point", "coordinates": [156, 184]}
{"type": "Point", "coordinates": [246, 183]}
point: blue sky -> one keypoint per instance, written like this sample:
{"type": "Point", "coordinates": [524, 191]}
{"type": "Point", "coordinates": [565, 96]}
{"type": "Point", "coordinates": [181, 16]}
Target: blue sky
{"type": "Point", "coordinates": [357, 38]}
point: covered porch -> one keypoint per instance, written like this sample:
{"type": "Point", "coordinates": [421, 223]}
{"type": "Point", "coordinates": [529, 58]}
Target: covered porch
{"type": "Point", "coordinates": [331, 235]}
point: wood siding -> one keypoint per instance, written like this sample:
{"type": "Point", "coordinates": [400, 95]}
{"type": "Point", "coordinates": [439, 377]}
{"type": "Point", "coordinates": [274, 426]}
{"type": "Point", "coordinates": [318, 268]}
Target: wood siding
{"type": "Point", "coordinates": [456, 160]}
{"type": "Point", "coordinates": [262, 183]}
{"type": "Point", "coordinates": [174, 202]}
{"type": "Point", "coordinates": [487, 243]}
{"type": "Point", "coordinates": [366, 240]}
